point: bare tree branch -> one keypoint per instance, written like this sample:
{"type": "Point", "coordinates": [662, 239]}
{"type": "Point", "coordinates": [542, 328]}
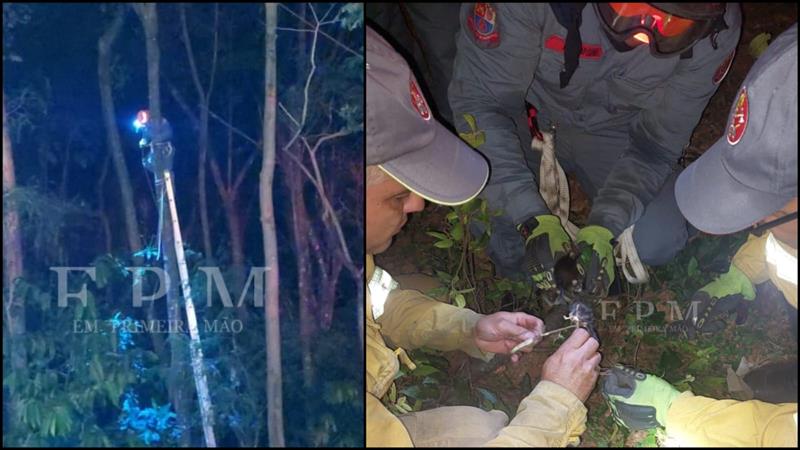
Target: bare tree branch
{"type": "Point", "coordinates": [189, 53]}
{"type": "Point", "coordinates": [324, 197]}
{"type": "Point", "coordinates": [327, 12]}
{"type": "Point", "coordinates": [214, 52]}
{"type": "Point", "coordinates": [234, 129]}
{"type": "Point", "coordinates": [182, 104]}
{"type": "Point", "coordinates": [335, 41]}
{"type": "Point", "coordinates": [312, 58]}
{"type": "Point", "coordinates": [285, 111]}
{"type": "Point", "coordinates": [245, 170]}
{"type": "Point", "coordinates": [296, 30]}
{"type": "Point", "coordinates": [223, 192]}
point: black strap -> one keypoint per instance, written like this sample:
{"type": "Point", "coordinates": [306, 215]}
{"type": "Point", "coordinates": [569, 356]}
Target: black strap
{"type": "Point", "coordinates": [774, 223]}
{"type": "Point", "coordinates": [569, 16]}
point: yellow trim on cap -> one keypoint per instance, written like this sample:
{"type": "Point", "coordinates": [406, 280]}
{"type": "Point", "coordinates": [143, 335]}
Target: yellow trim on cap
{"type": "Point", "coordinates": [438, 202]}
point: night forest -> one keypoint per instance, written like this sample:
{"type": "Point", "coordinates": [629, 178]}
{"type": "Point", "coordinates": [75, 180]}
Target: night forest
{"type": "Point", "coordinates": [258, 111]}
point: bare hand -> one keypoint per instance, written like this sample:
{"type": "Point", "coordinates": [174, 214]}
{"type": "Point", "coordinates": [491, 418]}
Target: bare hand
{"type": "Point", "coordinates": [502, 331]}
{"type": "Point", "coordinates": [574, 365]}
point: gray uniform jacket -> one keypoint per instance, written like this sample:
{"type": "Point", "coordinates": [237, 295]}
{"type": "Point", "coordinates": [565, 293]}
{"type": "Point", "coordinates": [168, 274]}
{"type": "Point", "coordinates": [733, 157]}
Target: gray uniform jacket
{"type": "Point", "coordinates": [657, 102]}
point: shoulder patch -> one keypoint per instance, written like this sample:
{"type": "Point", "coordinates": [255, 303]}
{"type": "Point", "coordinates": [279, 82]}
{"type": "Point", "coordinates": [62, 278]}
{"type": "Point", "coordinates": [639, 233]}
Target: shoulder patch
{"type": "Point", "coordinates": [483, 22]}
{"type": "Point", "coordinates": [738, 121]}
{"type": "Point", "coordinates": [723, 68]}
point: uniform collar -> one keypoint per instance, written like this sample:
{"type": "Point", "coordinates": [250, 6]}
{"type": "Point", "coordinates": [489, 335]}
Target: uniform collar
{"type": "Point", "coordinates": [370, 267]}
{"type": "Point", "coordinates": [783, 257]}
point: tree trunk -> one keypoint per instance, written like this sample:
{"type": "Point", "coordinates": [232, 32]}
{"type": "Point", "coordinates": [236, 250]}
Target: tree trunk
{"type": "Point", "coordinates": [115, 150]}
{"type": "Point", "coordinates": [230, 197]}
{"type": "Point", "coordinates": [230, 205]}
{"type": "Point", "coordinates": [204, 99]}
{"type": "Point", "coordinates": [13, 305]}
{"type": "Point", "coordinates": [149, 17]}
{"type": "Point", "coordinates": [101, 204]}
{"type": "Point", "coordinates": [301, 228]}
{"type": "Point", "coordinates": [14, 308]}
{"type": "Point", "coordinates": [202, 156]}
{"type": "Point", "coordinates": [272, 314]}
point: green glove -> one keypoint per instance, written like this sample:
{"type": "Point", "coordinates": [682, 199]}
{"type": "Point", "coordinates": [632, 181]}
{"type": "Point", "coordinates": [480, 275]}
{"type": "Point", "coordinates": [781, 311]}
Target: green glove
{"type": "Point", "coordinates": [713, 302]}
{"type": "Point", "coordinates": [596, 257]}
{"type": "Point", "coordinates": [545, 242]}
{"type": "Point", "coordinates": [638, 401]}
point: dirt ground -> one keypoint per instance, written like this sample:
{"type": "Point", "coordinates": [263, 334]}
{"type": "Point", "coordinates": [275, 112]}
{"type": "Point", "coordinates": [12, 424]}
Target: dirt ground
{"type": "Point", "coordinates": [767, 324]}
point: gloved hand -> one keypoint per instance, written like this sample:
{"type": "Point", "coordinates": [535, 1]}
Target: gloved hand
{"type": "Point", "coordinates": [713, 302]}
{"type": "Point", "coordinates": [596, 257]}
{"type": "Point", "coordinates": [638, 401]}
{"type": "Point", "coordinates": [545, 242]}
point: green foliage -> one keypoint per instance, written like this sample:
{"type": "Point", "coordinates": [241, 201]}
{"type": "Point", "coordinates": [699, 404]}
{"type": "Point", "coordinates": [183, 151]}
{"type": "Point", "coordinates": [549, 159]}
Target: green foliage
{"type": "Point", "coordinates": [73, 377]}
{"type": "Point", "coordinates": [601, 428]}
{"type": "Point", "coordinates": [462, 273]}
{"type": "Point", "coordinates": [697, 365]}
{"type": "Point", "coordinates": [82, 359]}
{"type": "Point", "coordinates": [14, 15]}
{"type": "Point", "coordinates": [26, 108]}
{"type": "Point", "coordinates": [44, 218]}
{"type": "Point", "coordinates": [351, 16]}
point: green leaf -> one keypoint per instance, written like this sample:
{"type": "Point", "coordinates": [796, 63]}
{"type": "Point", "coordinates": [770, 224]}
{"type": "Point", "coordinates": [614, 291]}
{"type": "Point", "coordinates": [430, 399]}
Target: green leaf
{"type": "Point", "coordinates": [692, 267]}
{"type": "Point", "coordinates": [452, 216]}
{"type": "Point", "coordinates": [444, 276]}
{"type": "Point", "coordinates": [699, 365]}
{"type": "Point", "coordinates": [423, 370]}
{"type": "Point", "coordinates": [437, 235]}
{"type": "Point", "coordinates": [403, 405]}
{"type": "Point", "coordinates": [437, 292]}
{"type": "Point", "coordinates": [471, 205]}
{"type": "Point", "coordinates": [481, 243]}
{"type": "Point", "coordinates": [96, 370]}
{"type": "Point", "coordinates": [714, 383]}
{"type": "Point", "coordinates": [503, 285]}
{"type": "Point", "coordinates": [447, 243]}
{"type": "Point", "coordinates": [458, 231]}
{"type": "Point", "coordinates": [24, 411]}
{"type": "Point", "coordinates": [669, 362]}
{"type": "Point", "coordinates": [649, 440]}
{"type": "Point", "coordinates": [652, 339]}
{"type": "Point", "coordinates": [459, 300]}
{"type": "Point", "coordinates": [759, 44]}
{"type": "Point", "coordinates": [36, 414]}
{"type": "Point", "coordinates": [51, 429]}
{"type": "Point", "coordinates": [411, 391]}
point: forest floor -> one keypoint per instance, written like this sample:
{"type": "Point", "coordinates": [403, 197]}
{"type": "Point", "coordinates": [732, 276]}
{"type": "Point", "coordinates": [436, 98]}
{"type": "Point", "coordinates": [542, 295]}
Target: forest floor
{"type": "Point", "coordinates": [452, 378]}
